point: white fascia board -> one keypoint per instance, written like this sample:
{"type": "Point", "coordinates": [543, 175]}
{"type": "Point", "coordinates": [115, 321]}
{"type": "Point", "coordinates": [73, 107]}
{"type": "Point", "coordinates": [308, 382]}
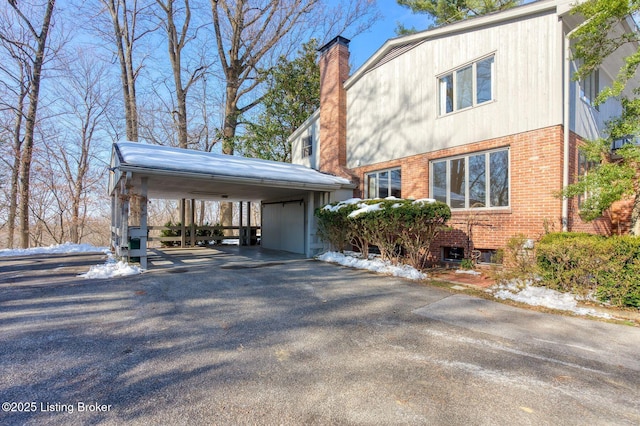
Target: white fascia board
{"type": "Point", "coordinates": [461, 26]}
{"type": "Point", "coordinates": [304, 126]}
{"type": "Point", "coordinates": [273, 183]}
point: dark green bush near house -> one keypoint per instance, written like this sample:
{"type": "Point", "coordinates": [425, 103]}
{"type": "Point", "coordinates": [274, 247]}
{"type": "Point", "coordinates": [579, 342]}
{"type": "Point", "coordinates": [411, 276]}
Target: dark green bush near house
{"type": "Point", "coordinates": [215, 234]}
{"type": "Point", "coordinates": [584, 263]}
{"type": "Point", "coordinates": [170, 233]}
{"type": "Point", "coordinates": [401, 229]}
{"type": "Point", "coordinates": [333, 226]}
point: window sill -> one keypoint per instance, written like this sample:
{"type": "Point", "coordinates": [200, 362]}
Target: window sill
{"type": "Point", "coordinates": [484, 211]}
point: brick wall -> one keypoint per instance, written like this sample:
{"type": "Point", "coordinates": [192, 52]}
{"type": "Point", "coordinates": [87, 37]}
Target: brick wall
{"type": "Point", "coordinates": [616, 221]}
{"type": "Point", "coordinates": [536, 175]}
{"type": "Point", "coordinates": [334, 70]}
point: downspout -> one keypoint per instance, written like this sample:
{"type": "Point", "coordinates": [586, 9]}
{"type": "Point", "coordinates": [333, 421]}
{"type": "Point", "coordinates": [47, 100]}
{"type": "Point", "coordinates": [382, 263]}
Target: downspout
{"type": "Point", "coordinates": [565, 122]}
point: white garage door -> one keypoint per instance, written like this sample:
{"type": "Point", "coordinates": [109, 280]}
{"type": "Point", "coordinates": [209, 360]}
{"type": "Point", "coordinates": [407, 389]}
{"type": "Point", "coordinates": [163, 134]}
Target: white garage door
{"type": "Point", "coordinates": [283, 226]}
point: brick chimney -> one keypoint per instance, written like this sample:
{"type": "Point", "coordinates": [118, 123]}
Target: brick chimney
{"type": "Point", "coordinates": [334, 70]}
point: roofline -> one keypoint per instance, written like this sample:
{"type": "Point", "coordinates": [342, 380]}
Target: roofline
{"type": "Point", "coordinates": [274, 183]}
{"type": "Point", "coordinates": [534, 8]}
{"type": "Point", "coordinates": [305, 125]}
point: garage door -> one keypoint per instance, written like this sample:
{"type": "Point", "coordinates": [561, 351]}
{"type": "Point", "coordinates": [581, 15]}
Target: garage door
{"type": "Point", "coordinates": [283, 226]}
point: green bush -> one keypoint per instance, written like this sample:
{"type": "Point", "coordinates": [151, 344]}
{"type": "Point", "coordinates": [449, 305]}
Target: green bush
{"type": "Point", "coordinates": [398, 227]}
{"type": "Point", "coordinates": [585, 263]}
{"type": "Point", "coordinates": [216, 233]}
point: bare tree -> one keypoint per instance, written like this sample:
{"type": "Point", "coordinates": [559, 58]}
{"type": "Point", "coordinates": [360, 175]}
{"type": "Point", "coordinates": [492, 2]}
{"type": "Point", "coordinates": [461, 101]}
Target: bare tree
{"type": "Point", "coordinates": [16, 88]}
{"type": "Point", "coordinates": [126, 17]}
{"type": "Point", "coordinates": [86, 106]}
{"type": "Point", "coordinates": [250, 34]}
{"type": "Point", "coordinates": [36, 47]}
{"type": "Point", "coordinates": [177, 40]}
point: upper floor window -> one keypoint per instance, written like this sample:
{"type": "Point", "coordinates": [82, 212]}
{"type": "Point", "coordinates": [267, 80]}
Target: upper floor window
{"type": "Point", "coordinates": [307, 146]}
{"type": "Point", "coordinates": [385, 183]}
{"type": "Point", "coordinates": [590, 87]}
{"type": "Point", "coordinates": [479, 180]}
{"type": "Point", "coordinates": [467, 86]}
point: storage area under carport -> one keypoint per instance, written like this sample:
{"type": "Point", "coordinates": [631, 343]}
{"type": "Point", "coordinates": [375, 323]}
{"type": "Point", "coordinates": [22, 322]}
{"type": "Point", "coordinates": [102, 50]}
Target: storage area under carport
{"type": "Point", "coordinates": [288, 193]}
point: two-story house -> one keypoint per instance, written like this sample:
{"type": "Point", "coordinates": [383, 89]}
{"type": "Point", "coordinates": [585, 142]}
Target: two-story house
{"type": "Point", "coordinates": [481, 114]}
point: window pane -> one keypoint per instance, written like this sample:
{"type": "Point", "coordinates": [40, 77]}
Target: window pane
{"type": "Point", "coordinates": [372, 186]}
{"type": "Point", "coordinates": [499, 183]}
{"type": "Point", "coordinates": [477, 181]}
{"type": "Point", "coordinates": [439, 184]}
{"type": "Point", "coordinates": [464, 88]}
{"type": "Point", "coordinates": [457, 184]}
{"type": "Point", "coordinates": [383, 184]}
{"type": "Point", "coordinates": [484, 71]}
{"type": "Point", "coordinates": [446, 94]}
{"type": "Point", "coordinates": [396, 183]}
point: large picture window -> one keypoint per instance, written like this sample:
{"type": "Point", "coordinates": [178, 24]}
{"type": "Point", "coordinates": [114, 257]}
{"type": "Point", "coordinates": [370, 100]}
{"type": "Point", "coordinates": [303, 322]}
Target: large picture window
{"type": "Point", "coordinates": [479, 180]}
{"type": "Point", "coordinates": [384, 183]}
{"type": "Point", "coordinates": [467, 86]}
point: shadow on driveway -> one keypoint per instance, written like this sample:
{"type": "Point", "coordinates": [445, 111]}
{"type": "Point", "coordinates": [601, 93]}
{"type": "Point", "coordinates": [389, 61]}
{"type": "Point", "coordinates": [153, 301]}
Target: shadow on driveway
{"type": "Point", "coordinates": [239, 339]}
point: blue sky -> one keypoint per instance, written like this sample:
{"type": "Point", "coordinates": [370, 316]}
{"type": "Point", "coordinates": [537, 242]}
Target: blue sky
{"type": "Point", "coordinates": [363, 46]}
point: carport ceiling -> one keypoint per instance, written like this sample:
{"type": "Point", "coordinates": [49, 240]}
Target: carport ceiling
{"type": "Point", "coordinates": [174, 173]}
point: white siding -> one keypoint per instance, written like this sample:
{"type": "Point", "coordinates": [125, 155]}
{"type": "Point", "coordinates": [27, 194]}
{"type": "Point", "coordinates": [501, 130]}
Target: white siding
{"type": "Point", "coordinates": [311, 127]}
{"type": "Point", "coordinates": [588, 121]}
{"type": "Point", "coordinates": [392, 109]}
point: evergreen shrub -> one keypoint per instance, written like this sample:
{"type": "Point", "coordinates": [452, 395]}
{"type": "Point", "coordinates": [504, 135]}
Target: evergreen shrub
{"type": "Point", "coordinates": [400, 228]}
{"type": "Point", "coordinates": [608, 267]}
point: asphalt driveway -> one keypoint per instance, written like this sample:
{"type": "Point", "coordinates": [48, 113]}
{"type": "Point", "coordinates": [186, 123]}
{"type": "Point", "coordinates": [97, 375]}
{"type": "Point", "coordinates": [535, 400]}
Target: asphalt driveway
{"type": "Point", "coordinates": [280, 340]}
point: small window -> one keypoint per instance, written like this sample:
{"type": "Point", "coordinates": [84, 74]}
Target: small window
{"type": "Point", "coordinates": [590, 87]}
{"type": "Point", "coordinates": [467, 86]}
{"type": "Point", "coordinates": [488, 256]}
{"type": "Point", "coordinates": [452, 254]}
{"type": "Point", "coordinates": [384, 183]}
{"type": "Point", "coordinates": [307, 146]}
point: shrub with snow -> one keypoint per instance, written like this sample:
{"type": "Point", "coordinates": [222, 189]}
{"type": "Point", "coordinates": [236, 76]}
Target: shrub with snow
{"type": "Point", "coordinates": [400, 228]}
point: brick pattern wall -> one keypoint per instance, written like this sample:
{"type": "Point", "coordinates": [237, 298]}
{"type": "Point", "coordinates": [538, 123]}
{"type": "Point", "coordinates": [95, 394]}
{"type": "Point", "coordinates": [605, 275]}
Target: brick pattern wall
{"type": "Point", "coordinates": [334, 70]}
{"type": "Point", "coordinates": [616, 221]}
{"type": "Point", "coordinates": [536, 175]}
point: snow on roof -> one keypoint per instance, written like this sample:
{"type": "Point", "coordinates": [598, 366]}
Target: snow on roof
{"type": "Point", "coordinates": [166, 158]}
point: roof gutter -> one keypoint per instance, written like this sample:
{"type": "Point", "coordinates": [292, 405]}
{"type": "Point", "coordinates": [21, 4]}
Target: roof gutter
{"type": "Point", "coordinates": [274, 183]}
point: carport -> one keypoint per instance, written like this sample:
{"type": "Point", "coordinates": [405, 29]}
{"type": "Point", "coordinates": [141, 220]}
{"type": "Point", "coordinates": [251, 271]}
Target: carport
{"type": "Point", "coordinates": [288, 193]}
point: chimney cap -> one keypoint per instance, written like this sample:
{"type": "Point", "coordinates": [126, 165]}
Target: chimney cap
{"type": "Point", "coordinates": [337, 40]}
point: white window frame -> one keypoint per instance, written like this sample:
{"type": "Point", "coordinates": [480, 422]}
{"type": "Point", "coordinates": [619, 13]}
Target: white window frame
{"type": "Point", "coordinates": [377, 173]}
{"type": "Point", "coordinates": [447, 161]}
{"type": "Point", "coordinates": [307, 146]}
{"type": "Point", "coordinates": [590, 88]}
{"type": "Point", "coordinates": [441, 87]}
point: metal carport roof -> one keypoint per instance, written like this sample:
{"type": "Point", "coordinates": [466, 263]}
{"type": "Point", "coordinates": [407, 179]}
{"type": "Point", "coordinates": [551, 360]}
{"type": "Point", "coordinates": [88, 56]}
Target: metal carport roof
{"type": "Point", "coordinates": [174, 173]}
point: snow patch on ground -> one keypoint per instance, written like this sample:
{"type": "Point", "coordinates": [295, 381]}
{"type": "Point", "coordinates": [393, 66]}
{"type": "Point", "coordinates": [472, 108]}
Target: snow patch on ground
{"type": "Point", "coordinates": [112, 268]}
{"type": "Point", "coordinates": [526, 292]}
{"type": "Point", "coordinates": [468, 272]}
{"type": "Point", "coordinates": [55, 249]}
{"type": "Point", "coordinates": [374, 264]}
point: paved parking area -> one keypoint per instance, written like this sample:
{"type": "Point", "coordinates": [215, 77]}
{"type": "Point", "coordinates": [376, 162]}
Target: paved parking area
{"type": "Point", "coordinates": [261, 338]}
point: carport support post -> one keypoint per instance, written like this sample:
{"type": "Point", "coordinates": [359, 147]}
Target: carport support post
{"type": "Point", "coordinates": [193, 222]}
{"type": "Point", "coordinates": [183, 234]}
{"type": "Point", "coordinates": [248, 223]}
{"type": "Point", "coordinates": [143, 222]}
{"type": "Point", "coordinates": [309, 228]}
{"type": "Point", "coordinates": [241, 239]}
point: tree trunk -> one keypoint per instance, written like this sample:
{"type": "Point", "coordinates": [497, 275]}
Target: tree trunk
{"type": "Point", "coordinates": [124, 45]}
{"type": "Point", "coordinates": [15, 171]}
{"type": "Point", "coordinates": [34, 91]}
